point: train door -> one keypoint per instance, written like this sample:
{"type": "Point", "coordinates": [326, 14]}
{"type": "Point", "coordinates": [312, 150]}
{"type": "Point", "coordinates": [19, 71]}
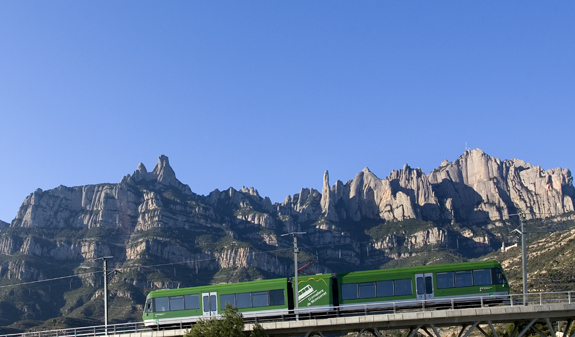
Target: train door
{"type": "Point", "coordinates": [209, 304]}
{"type": "Point", "coordinates": [424, 286]}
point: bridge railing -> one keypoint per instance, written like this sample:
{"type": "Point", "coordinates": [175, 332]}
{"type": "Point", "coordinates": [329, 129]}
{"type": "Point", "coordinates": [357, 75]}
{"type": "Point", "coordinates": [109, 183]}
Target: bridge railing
{"type": "Point", "coordinates": [543, 298]}
{"type": "Point", "coordinates": [344, 310]}
{"type": "Point", "coordinates": [98, 330]}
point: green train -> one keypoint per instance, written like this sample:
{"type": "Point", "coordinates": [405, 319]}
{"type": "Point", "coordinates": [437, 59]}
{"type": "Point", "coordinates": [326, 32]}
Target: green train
{"type": "Point", "coordinates": [330, 293]}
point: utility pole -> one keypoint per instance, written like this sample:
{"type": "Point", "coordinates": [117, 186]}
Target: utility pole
{"type": "Point", "coordinates": [296, 284]}
{"type": "Point", "coordinates": [524, 260]}
{"type": "Point", "coordinates": [105, 290]}
{"type": "Point", "coordinates": [523, 257]}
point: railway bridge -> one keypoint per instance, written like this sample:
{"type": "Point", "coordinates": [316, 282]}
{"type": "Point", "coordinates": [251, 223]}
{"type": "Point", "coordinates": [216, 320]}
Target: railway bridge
{"type": "Point", "coordinates": [544, 315]}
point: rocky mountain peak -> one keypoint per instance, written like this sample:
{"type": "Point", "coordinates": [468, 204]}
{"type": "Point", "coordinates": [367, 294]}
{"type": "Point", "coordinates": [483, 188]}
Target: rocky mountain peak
{"type": "Point", "coordinates": [479, 187]}
{"type": "Point", "coordinates": [141, 168]}
{"type": "Point", "coordinates": [250, 191]}
{"type": "Point", "coordinates": [164, 173]}
{"type": "Point", "coordinates": [473, 153]}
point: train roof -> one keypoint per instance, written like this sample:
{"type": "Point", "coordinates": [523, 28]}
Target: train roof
{"type": "Point", "coordinates": [262, 285]}
{"type": "Point", "coordinates": [402, 272]}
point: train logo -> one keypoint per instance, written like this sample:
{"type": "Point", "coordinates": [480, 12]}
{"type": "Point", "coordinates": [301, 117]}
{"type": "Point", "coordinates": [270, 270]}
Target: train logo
{"type": "Point", "coordinates": [305, 292]}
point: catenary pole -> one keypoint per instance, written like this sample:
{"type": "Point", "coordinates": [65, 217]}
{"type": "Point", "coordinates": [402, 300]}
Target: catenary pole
{"type": "Point", "coordinates": [523, 255]}
{"type": "Point", "coordinates": [296, 284]}
{"type": "Point", "coordinates": [105, 259]}
{"type": "Point", "coordinates": [106, 294]}
{"type": "Point", "coordinates": [524, 260]}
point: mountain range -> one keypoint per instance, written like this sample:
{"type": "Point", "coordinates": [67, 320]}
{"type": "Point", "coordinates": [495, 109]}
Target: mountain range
{"type": "Point", "coordinates": [160, 234]}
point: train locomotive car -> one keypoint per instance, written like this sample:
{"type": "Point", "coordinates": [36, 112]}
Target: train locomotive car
{"type": "Point", "coordinates": [330, 293]}
{"type": "Point", "coordinates": [187, 305]}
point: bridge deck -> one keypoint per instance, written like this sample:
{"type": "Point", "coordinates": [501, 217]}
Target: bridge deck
{"type": "Point", "coordinates": [552, 309]}
{"type": "Point", "coordinates": [405, 320]}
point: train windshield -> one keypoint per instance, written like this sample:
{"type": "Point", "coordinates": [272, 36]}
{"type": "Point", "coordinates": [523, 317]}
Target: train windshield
{"type": "Point", "coordinates": [498, 277]}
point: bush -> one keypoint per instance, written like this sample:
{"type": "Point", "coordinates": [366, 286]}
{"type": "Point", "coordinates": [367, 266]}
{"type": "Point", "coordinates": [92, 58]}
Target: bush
{"type": "Point", "coordinates": [230, 325]}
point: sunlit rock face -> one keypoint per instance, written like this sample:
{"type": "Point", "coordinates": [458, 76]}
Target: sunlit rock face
{"type": "Point", "coordinates": [479, 187]}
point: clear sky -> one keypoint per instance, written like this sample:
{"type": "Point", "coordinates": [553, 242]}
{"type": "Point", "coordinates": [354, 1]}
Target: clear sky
{"type": "Point", "coordinates": [270, 94]}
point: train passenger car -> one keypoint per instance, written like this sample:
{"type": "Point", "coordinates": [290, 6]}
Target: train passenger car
{"type": "Point", "coordinates": [330, 293]}
{"type": "Point", "coordinates": [187, 305]}
{"type": "Point", "coordinates": [435, 284]}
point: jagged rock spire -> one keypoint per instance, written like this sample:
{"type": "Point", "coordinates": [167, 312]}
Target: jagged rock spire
{"type": "Point", "coordinates": [164, 173]}
{"type": "Point", "coordinates": [327, 208]}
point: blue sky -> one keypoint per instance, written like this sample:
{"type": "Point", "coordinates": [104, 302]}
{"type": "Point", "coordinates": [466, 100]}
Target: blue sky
{"type": "Point", "coordinates": [270, 94]}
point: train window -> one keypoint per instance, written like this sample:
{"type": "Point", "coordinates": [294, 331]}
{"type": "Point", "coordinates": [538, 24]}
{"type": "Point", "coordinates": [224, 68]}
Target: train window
{"type": "Point", "coordinates": [444, 280]}
{"type": "Point", "coordinates": [367, 290]}
{"type": "Point", "coordinates": [192, 301]}
{"type": "Point", "coordinates": [384, 288]}
{"type": "Point", "coordinates": [149, 305]}
{"type": "Point", "coordinates": [260, 299]}
{"type": "Point", "coordinates": [428, 285]}
{"type": "Point", "coordinates": [403, 287]}
{"type": "Point", "coordinates": [482, 277]}
{"type": "Point", "coordinates": [277, 297]}
{"type": "Point", "coordinates": [162, 304]}
{"type": "Point", "coordinates": [419, 285]}
{"type": "Point", "coordinates": [230, 298]}
{"type": "Point", "coordinates": [176, 303]}
{"type": "Point", "coordinates": [464, 278]}
{"type": "Point", "coordinates": [244, 300]}
{"type": "Point", "coordinates": [213, 303]}
{"type": "Point", "coordinates": [498, 277]}
{"type": "Point", "coordinates": [349, 291]}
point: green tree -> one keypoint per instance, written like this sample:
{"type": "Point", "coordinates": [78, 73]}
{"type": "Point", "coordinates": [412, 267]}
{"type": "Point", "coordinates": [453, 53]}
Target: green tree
{"type": "Point", "coordinates": [258, 331]}
{"type": "Point", "coordinates": [231, 324]}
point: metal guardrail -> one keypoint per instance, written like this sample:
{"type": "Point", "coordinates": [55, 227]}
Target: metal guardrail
{"type": "Point", "coordinates": [350, 310]}
{"type": "Point", "coordinates": [99, 330]}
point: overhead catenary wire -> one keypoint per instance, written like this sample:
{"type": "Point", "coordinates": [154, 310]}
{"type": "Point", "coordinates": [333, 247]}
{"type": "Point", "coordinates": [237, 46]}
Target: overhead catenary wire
{"type": "Point", "coordinates": [51, 279]}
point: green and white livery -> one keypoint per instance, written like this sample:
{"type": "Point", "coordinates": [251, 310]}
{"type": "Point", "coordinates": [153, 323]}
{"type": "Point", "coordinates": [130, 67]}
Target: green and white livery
{"type": "Point", "coordinates": [331, 293]}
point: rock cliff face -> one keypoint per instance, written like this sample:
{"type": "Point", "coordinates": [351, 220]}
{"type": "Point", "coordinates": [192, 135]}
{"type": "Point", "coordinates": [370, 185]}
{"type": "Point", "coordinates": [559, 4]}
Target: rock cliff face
{"type": "Point", "coordinates": [479, 188]}
{"type": "Point", "coordinates": [161, 234]}
{"type": "Point", "coordinates": [475, 188]}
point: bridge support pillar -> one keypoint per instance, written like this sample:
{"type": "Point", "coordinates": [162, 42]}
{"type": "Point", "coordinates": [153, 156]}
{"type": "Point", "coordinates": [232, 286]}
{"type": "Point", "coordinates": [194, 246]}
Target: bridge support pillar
{"type": "Point", "coordinates": [493, 331]}
{"type": "Point", "coordinates": [470, 329]}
